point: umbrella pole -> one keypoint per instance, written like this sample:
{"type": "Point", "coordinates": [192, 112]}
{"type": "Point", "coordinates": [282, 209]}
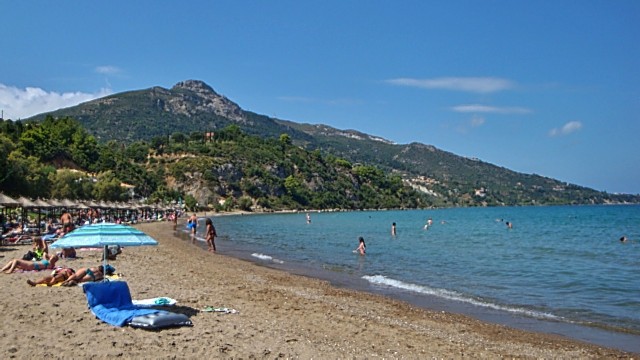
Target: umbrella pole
{"type": "Point", "coordinates": [104, 263]}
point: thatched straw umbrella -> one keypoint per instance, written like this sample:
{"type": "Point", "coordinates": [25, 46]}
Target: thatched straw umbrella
{"type": "Point", "coordinates": [28, 204]}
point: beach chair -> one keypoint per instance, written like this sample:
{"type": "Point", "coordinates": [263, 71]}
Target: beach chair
{"type": "Point", "coordinates": [17, 239]}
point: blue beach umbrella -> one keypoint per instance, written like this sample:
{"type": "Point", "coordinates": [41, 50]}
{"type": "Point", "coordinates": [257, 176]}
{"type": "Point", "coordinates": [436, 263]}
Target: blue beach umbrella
{"type": "Point", "coordinates": [103, 235]}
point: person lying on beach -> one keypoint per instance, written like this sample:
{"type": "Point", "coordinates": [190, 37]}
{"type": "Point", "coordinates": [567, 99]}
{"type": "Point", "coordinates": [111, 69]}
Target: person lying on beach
{"type": "Point", "coordinates": [48, 262]}
{"type": "Point", "coordinates": [88, 275]}
{"type": "Point", "coordinates": [58, 275]}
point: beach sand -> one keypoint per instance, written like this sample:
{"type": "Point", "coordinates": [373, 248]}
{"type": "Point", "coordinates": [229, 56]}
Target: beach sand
{"type": "Point", "coordinates": [280, 315]}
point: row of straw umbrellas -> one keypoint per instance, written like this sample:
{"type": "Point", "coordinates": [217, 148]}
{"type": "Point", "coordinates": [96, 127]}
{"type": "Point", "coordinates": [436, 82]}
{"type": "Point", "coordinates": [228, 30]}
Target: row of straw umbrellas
{"type": "Point", "coordinates": [23, 202]}
{"type": "Point", "coordinates": [54, 204]}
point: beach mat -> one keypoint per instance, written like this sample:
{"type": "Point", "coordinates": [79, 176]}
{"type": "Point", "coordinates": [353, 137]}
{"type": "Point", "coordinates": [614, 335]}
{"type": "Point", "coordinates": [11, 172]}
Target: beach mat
{"type": "Point", "coordinates": [111, 302]}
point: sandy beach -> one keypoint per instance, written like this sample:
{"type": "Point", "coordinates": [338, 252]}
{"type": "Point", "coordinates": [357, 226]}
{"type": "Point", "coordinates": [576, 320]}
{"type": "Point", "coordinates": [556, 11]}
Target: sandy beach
{"type": "Point", "coordinates": [280, 315]}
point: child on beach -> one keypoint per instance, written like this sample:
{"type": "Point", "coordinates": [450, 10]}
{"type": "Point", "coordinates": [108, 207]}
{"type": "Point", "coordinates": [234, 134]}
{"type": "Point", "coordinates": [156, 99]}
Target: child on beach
{"type": "Point", "coordinates": [211, 235]}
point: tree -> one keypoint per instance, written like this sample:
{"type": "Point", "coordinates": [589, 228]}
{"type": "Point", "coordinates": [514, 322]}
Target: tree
{"type": "Point", "coordinates": [179, 137]}
{"type": "Point", "coordinates": [108, 187]}
{"type": "Point", "coordinates": [285, 139]}
{"type": "Point", "coordinates": [245, 203]}
{"type": "Point", "coordinates": [28, 176]}
{"type": "Point", "coordinates": [190, 202]}
{"type": "Point", "coordinates": [67, 184]}
{"type": "Point", "coordinates": [6, 147]}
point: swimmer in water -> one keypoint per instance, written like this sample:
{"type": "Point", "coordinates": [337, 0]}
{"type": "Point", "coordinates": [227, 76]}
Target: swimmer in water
{"type": "Point", "coordinates": [362, 247]}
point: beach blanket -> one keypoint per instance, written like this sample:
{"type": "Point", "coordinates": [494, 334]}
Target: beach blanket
{"type": "Point", "coordinates": [111, 302]}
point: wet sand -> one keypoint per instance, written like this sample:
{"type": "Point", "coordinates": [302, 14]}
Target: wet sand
{"type": "Point", "coordinates": [280, 315]}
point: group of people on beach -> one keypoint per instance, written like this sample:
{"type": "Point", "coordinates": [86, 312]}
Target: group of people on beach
{"type": "Point", "coordinates": [210, 231]}
{"type": "Point", "coordinates": [39, 259]}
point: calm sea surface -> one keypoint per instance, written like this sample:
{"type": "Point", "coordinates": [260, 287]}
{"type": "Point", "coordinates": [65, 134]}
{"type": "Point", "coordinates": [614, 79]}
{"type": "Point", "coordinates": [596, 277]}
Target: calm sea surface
{"type": "Point", "coordinates": [562, 264]}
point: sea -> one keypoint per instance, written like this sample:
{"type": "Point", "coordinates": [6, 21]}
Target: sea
{"type": "Point", "coordinates": [557, 269]}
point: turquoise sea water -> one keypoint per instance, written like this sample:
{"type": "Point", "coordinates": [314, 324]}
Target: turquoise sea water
{"type": "Point", "coordinates": [560, 264]}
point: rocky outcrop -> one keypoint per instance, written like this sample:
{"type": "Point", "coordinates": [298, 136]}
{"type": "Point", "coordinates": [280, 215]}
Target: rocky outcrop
{"type": "Point", "coordinates": [193, 97]}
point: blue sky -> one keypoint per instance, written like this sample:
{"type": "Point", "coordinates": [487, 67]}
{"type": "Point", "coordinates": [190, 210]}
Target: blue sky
{"type": "Point", "coordinates": [544, 87]}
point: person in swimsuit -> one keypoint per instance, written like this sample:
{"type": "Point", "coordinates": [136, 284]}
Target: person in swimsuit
{"type": "Point", "coordinates": [193, 224]}
{"type": "Point", "coordinates": [362, 247]}
{"type": "Point", "coordinates": [58, 275]}
{"type": "Point", "coordinates": [211, 235]}
{"type": "Point", "coordinates": [88, 275]}
{"type": "Point", "coordinates": [48, 262]}
{"type": "Point", "coordinates": [67, 222]}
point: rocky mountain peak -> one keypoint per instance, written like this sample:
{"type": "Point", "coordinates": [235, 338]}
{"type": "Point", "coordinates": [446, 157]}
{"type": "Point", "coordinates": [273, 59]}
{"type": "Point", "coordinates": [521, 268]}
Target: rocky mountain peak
{"type": "Point", "coordinates": [195, 86]}
{"type": "Point", "coordinates": [192, 97]}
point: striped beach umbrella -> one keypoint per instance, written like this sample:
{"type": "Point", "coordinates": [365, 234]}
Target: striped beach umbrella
{"type": "Point", "coordinates": [103, 235]}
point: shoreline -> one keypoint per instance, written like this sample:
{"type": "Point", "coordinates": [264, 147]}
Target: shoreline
{"type": "Point", "coordinates": [280, 315]}
{"type": "Point", "coordinates": [598, 336]}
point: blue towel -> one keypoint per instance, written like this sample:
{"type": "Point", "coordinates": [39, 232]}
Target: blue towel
{"type": "Point", "coordinates": [111, 302]}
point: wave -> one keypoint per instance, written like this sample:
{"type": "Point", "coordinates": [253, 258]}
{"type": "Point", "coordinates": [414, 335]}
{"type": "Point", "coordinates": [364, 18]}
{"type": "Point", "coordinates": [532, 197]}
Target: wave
{"type": "Point", "coordinates": [267, 258]}
{"type": "Point", "coordinates": [455, 296]}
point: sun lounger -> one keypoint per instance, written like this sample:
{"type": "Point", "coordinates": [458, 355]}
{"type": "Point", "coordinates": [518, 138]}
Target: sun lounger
{"type": "Point", "coordinates": [17, 240]}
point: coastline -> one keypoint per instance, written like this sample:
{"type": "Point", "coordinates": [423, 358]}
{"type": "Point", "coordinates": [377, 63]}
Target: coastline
{"type": "Point", "coordinates": [280, 315]}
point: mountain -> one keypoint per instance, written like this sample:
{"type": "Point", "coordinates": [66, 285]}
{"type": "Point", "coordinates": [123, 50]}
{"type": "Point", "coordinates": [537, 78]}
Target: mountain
{"type": "Point", "coordinates": [193, 106]}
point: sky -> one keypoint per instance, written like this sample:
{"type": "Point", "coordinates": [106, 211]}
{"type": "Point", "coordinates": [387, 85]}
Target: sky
{"type": "Point", "coordinates": [547, 87]}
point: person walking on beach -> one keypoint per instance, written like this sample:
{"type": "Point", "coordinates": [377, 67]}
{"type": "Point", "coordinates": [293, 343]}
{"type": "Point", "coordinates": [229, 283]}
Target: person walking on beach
{"type": "Point", "coordinates": [175, 220]}
{"type": "Point", "coordinates": [67, 222]}
{"type": "Point", "coordinates": [193, 224]}
{"type": "Point", "coordinates": [362, 247]}
{"type": "Point", "coordinates": [211, 235]}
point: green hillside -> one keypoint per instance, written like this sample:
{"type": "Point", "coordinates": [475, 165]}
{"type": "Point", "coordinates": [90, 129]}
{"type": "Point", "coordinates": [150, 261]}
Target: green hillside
{"type": "Point", "coordinates": [192, 108]}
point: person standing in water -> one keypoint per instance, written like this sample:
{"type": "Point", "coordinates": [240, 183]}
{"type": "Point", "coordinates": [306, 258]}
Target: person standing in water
{"type": "Point", "coordinates": [362, 247]}
{"type": "Point", "coordinates": [308, 218]}
{"type": "Point", "coordinates": [393, 229]}
{"type": "Point", "coordinates": [211, 235]}
{"type": "Point", "coordinates": [193, 224]}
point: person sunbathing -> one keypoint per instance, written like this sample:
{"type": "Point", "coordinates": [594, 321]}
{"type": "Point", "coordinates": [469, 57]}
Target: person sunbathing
{"type": "Point", "coordinates": [88, 275]}
{"type": "Point", "coordinates": [47, 262]}
{"type": "Point", "coordinates": [58, 275]}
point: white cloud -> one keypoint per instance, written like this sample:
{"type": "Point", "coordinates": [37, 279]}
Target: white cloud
{"type": "Point", "coordinates": [568, 128]}
{"type": "Point", "coordinates": [23, 103]}
{"type": "Point", "coordinates": [477, 108]}
{"type": "Point", "coordinates": [108, 70]}
{"type": "Point", "coordinates": [481, 85]}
